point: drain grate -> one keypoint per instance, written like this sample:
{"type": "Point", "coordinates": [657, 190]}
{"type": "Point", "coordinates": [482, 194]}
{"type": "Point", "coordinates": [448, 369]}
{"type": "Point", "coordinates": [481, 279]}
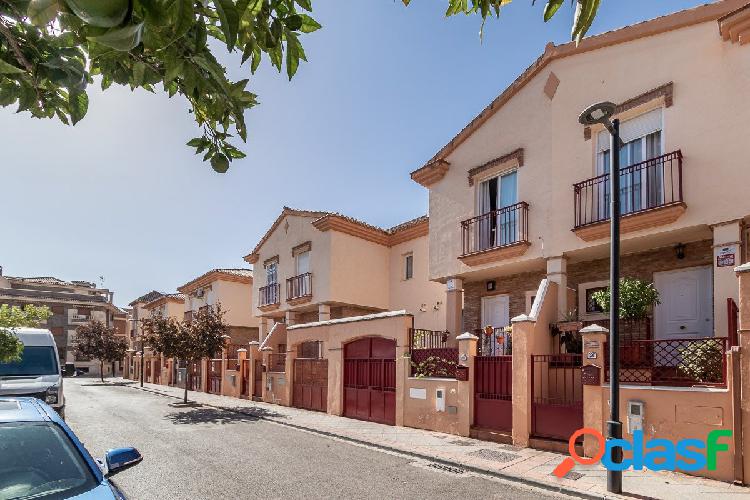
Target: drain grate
{"type": "Point", "coordinates": [573, 475]}
{"type": "Point", "coordinates": [462, 442]}
{"type": "Point", "coordinates": [497, 456]}
{"type": "Point", "coordinates": [446, 468]}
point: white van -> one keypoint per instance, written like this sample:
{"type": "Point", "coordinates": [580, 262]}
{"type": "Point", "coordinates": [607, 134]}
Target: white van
{"type": "Point", "coordinates": [37, 374]}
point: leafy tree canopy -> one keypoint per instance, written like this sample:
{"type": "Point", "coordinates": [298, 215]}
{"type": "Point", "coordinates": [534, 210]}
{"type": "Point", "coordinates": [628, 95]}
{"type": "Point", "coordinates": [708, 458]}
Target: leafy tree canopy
{"type": "Point", "coordinates": [12, 317]}
{"type": "Point", "coordinates": [50, 50]}
{"type": "Point", "coordinates": [201, 337]}
{"type": "Point", "coordinates": [97, 340]}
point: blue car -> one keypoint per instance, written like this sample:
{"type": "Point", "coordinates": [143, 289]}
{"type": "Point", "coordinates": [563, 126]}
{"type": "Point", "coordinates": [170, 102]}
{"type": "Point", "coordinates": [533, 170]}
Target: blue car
{"type": "Point", "coordinates": [41, 458]}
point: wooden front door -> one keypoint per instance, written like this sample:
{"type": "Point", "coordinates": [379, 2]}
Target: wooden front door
{"type": "Point", "coordinates": [310, 389]}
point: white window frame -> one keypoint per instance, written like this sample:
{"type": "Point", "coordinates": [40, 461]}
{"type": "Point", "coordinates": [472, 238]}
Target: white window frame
{"type": "Point", "coordinates": [582, 288]}
{"type": "Point", "coordinates": [297, 269]}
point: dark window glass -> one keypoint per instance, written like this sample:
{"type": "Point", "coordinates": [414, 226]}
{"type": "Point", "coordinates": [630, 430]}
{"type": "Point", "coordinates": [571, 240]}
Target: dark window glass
{"type": "Point", "coordinates": [591, 306]}
{"type": "Point", "coordinates": [409, 265]}
{"type": "Point", "coordinates": [38, 460]}
{"type": "Point", "coordinates": [35, 360]}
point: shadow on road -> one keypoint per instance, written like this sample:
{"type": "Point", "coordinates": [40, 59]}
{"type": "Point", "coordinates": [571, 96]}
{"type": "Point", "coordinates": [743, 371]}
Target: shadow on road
{"type": "Point", "coordinates": [207, 415]}
{"type": "Point", "coordinates": [107, 384]}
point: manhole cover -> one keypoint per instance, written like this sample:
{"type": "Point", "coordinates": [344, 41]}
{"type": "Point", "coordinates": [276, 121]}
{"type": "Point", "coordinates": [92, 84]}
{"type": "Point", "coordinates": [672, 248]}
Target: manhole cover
{"type": "Point", "coordinates": [573, 475]}
{"type": "Point", "coordinates": [497, 456]}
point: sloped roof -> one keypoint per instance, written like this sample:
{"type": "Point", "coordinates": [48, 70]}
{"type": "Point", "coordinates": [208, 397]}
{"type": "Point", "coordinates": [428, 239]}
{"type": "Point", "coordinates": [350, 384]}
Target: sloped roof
{"type": "Point", "coordinates": [242, 275]}
{"type": "Point", "coordinates": [146, 298]}
{"type": "Point", "coordinates": [175, 297]}
{"type": "Point", "coordinates": [434, 169]}
{"type": "Point", "coordinates": [50, 280]}
{"type": "Point", "coordinates": [339, 222]}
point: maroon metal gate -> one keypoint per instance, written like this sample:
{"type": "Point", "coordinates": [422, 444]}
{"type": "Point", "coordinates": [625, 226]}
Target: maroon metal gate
{"type": "Point", "coordinates": [557, 388]}
{"type": "Point", "coordinates": [493, 392]}
{"type": "Point", "coordinates": [258, 379]}
{"type": "Point", "coordinates": [370, 380]}
{"type": "Point", "coordinates": [310, 389]}
{"type": "Point", "coordinates": [214, 376]}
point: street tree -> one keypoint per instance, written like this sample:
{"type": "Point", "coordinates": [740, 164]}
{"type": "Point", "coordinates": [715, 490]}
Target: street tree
{"type": "Point", "coordinates": [97, 340]}
{"type": "Point", "coordinates": [203, 336]}
{"type": "Point", "coordinates": [51, 50]}
{"type": "Point", "coordinates": [12, 317]}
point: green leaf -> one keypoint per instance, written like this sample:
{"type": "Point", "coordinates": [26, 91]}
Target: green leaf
{"type": "Point", "coordinates": [309, 24]}
{"type": "Point", "coordinates": [9, 69]}
{"type": "Point", "coordinates": [293, 22]}
{"type": "Point", "coordinates": [79, 105]}
{"type": "Point", "coordinates": [184, 15]}
{"type": "Point", "coordinates": [292, 54]}
{"type": "Point", "coordinates": [229, 20]}
{"type": "Point", "coordinates": [551, 8]}
{"type": "Point", "coordinates": [42, 12]}
{"type": "Point", "coordinates": [195, 142]}
{"type": "Point", "coordinates": [220, 163]}
{"type": "Point", "coordinates": [123, 39]}
{"type": "Point", "coordinates": [139, 69]}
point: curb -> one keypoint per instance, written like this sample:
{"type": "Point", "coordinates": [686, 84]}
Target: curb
{"type": "Point", "coordinates": [471, 468]}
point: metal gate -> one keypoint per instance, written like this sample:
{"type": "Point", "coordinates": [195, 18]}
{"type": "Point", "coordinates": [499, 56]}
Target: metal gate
{"type": "Point", "coordinates": [147, 365]}
{"type": "Point", "coordinates": [370, 380]}
{"type": "Point", "coordinates": [557, 388]}
{"type": "Point", "coordinates": [245, 386]}
{"type": "Point", "coordinates": [310, 390]}
{"type": "Point", "coordinates": [214, 376]}
{"type": "Point", "coordinates": [493, 392]}
{"type": "Point", "coordinates": [258, 379]}
{"type": "Point", "coordinates": [195, 376]}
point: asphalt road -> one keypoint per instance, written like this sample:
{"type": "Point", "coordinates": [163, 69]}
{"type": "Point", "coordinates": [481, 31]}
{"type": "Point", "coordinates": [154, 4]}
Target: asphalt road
{"type": "Point", "coordinates": [201, 452]}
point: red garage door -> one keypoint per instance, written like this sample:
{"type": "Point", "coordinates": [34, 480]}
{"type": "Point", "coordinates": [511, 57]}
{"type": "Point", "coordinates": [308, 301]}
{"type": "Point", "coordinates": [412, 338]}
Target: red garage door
{"type": "Point", "coordinates": [370, 380]}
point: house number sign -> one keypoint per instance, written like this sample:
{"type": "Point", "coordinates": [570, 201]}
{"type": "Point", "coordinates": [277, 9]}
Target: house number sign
{"type": "Point", "coordinates": [591, 355]}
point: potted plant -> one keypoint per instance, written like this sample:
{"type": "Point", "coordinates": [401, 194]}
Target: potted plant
{"type": "Point", "coordinates": [637, 300]}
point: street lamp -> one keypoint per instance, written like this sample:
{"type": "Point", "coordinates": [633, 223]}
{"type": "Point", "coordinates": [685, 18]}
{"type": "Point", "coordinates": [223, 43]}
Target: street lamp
{"type": "Point", "coordinates": [601, 113]}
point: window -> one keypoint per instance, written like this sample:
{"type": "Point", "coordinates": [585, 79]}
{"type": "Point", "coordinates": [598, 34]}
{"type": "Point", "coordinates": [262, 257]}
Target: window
{"type": "Point", "coordinates": [302, 263]}
{"type": "Point", "coordinates": [35, 360]}
{"type": "Point", "coordinates": [592, 307]}
{"type": "Point", "coordinates": [643, 187]}
{"type": "Point", "coordinates": [272, 273]}
{"type": "Point", "coordinates": [408, 266]}
{"type": "Point", "coordinates": [38, 460]}
{"type": "Point", "coordinates": [497, 227]}
{"type": "Point", "coordinates": [588, 309]}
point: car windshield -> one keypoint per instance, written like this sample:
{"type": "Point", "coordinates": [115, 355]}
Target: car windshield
{"type": "Point", "coordinates": [35, 360]}
{"type": "Point", "coordinates": [38, 460]}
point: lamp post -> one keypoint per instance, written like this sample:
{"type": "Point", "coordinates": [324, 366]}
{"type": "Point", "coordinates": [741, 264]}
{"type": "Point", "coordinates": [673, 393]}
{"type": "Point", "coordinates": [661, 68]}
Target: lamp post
{"type": "Point", "coordinates": [601, 113]}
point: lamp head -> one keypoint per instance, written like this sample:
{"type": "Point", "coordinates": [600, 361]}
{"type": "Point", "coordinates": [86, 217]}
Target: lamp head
{"type": "Point", "coordinates": [600, 112]}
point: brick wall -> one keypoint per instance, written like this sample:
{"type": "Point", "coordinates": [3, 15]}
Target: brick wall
{"type": "Point", "coordinates": [515, 286]}
{"type": "Point", "coordinates": [642, 265]}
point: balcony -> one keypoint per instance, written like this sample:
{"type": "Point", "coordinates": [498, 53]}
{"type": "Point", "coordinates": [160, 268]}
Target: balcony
{"type": "Point", "coordinates": [650, 195]}
{"type": "Point", "coordinates": [497, 235]}
{"type": "Point", "coordinates": [299, 289]}
{"type": "Point", "coordinates": [79, 319]}
{"type": "Point", "coordinates": [268, 297]}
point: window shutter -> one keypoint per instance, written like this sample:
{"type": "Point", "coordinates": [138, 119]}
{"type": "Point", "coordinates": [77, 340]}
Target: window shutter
{"type": "Point", "coordinates": [633, 129]}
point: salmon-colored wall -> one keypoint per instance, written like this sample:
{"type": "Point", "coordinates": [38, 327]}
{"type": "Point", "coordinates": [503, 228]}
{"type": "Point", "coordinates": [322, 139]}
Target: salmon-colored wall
{"type": "Point", "coordinates": [358, 271]}
{"type": "Point", "coordinates": [422, 413]}
{"type": "Point", "coordinates": [416, 293]}
{"type": "Point", "coordinates": [710, 79]}
{"type": "Point", "coordinates": [236, 300]}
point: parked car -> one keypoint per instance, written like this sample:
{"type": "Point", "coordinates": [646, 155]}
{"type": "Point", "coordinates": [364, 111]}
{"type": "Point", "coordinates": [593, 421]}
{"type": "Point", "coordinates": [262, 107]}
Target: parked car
{"type": "Point", "coordinates": [37, 374]}
{"type": "Point", "coordinates": [40, 456]}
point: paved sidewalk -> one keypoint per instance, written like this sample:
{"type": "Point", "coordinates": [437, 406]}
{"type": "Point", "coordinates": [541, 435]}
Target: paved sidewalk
{"type": "Point", "coordinates": [533, 467]}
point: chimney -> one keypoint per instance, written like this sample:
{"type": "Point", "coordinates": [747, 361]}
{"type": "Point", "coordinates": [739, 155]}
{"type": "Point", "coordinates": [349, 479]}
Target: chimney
{"type": "Point", "coordinates": [1, 270]}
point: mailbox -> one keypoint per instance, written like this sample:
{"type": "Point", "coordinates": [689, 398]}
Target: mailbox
{"type": "Point", "coordinates": [462, 373]}
{"type": "Point", "coordinates": [590, 375]}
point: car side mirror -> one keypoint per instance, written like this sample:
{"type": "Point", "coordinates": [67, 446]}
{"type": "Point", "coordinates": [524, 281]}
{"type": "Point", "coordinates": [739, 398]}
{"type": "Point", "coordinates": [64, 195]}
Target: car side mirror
{"type": "Point", "coordinates": [119, 459]}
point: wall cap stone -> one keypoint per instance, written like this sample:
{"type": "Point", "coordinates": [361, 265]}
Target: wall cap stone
{"type": "Point", "coordinates": [744, 268]}
{"type": "Point", "coordinates": [467, 336]}
{"type": "Point", "coordinates": [593, 329]}
{"type": "Point", "coordinates": [267, 349]}
{"type": "Point", "coordinates": [253, 342]}
{"type": "Point", "coordinates": [523, 318]}
{"type": "Point", "coordinates": [241, 349]}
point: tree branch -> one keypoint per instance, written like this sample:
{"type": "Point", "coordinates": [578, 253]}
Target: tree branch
{"type": "Point", "coordinates": [5, 31]}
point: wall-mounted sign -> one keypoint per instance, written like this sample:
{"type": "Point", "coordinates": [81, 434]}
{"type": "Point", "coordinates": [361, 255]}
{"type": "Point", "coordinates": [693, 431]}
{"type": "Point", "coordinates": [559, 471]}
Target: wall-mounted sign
{"type": "Point", "coordinates": [450, 284]}
{"type": "Point", "coordinates": [591, 355]}
{"type": "Point", "coordinates": [491, 285]}
{"type": "Point", "coordinates": [415, 393]}
{"type": "Point", "coordinates": [463, 357]}
{"type": "Point", "coordinates": [592, 344]}
{"type": "Point", "coordinates": [725, 256]}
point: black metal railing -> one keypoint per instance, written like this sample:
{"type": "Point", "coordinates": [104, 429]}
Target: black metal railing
{"type": "Point", "coordinates": [644, 186]}
{"type": "Point", "coordinates": [299, 286]}
{"type": "Point", "coordinates": [268, 295]}
{"type": "Point", "coordinates": [506, 226]}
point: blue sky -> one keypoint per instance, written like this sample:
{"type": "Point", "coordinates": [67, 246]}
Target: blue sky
{"type": "Point", "coordinates": [120, 196]}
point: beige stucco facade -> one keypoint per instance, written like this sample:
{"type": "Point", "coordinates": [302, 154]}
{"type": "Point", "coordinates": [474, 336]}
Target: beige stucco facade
{"type": "Point", "coordinates": [678, 65]}
{"type": "Point", "coordinates": [354, 269]}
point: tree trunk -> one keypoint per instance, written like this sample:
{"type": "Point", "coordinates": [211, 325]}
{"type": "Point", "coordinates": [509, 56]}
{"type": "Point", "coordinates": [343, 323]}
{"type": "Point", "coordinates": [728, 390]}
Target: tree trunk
{"type": "Point", "coordinates": [101, 370]}
{"type": "Point", "coordinates": [187, 380]}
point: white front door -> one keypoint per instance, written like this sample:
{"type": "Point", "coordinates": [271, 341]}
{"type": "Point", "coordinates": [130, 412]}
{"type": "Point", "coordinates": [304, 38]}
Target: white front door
{"type": "Point", "coordinates": [686, 309]}
{"type": "Point", "coordinates": [496, 311]}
